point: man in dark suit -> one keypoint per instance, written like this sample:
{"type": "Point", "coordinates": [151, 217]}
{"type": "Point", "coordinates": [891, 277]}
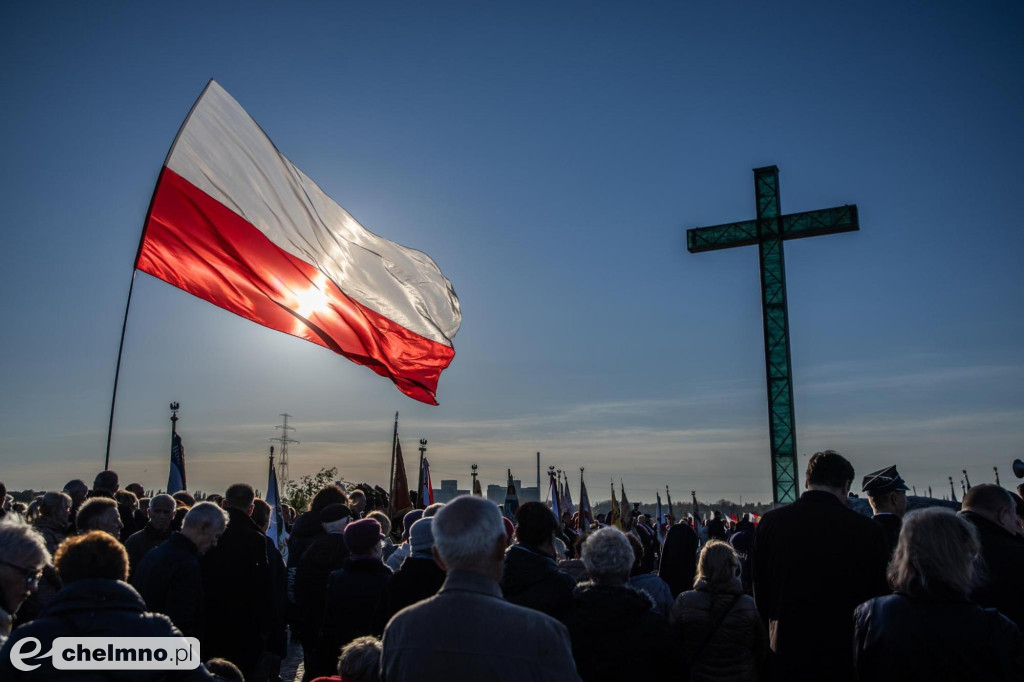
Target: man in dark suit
{"type": "Point", "coordinates": [237, 587]}
{"type": "Point", "coordinates": [887, 494]}
{"type": "Point", "coordinates": [814, 561]}
{"type": "Point", "coordinates": [993, 512]}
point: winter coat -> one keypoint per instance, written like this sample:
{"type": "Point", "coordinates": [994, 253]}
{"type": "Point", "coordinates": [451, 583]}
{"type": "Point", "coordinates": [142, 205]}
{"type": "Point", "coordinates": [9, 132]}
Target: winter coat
{"type": "Point", "coordinates": [617, 635]}
{"type": "Point", "coordinates": [1000, 585]}
{"type": "Point", "coordinates": [656, 588]}
{"type": "Point", "coordinates": [419, 578]}
{"type": "Point", "coordinates": [306, 529]}
{"type": "Point", "coordinates": [891, 526]}
{"type": "Point", "coordinates": [532, 579]}
{"type": "Point", "coordinates": [53, 532]}
{"type": "Point", "coordinates": [141, 542]}
{"type": "Point", "coordinates": [169, 579]}
{"type": "Point", "coordinates": [576, 569]}
{"type": "Point", "coordinates": [935, 638]}
{"type": "Point", "coordinates": [814, 561]}
{"type": "Point", "coordinates": [237, 589]}
{"type": "Point", "coordinates": [324, 556]}
{"type": "Point", "coordinates": [94, 608]}
{"type": "Point", "coordinates": [679, 558]}
{"type": "Point", "coordinates": [352, 595]}
{"type": "Point", "coordinates": [736, 648]}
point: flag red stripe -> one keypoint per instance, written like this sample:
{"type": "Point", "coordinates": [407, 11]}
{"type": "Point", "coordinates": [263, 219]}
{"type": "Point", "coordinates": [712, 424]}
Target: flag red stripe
{"type": "Point", "coordinates": [195, 243]}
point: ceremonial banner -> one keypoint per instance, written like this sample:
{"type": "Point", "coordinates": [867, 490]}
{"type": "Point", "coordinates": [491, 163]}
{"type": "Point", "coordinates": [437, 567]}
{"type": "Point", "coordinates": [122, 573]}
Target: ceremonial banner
{"type": "Point", "coordinates": [511, 499]}
{"type": "Point", "coordinates": [276, 530]}
{"type": "Point", "coordinates": [176, 476]}
{"type": "Point", "coordinates": [235, 223]}
{"type": "Point", "coordinates": [426, 495]}
{"type": "Point", "coordinates": [556, 506]}
{"type": "Point", "coordinates": [401, 502]}
{"type": "Point", "coordinates": [586, 517]}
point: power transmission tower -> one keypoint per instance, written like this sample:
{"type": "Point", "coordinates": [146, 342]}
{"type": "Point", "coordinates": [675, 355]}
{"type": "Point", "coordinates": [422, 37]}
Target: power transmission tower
{"type": "Point", "coordinates": [285, 441]}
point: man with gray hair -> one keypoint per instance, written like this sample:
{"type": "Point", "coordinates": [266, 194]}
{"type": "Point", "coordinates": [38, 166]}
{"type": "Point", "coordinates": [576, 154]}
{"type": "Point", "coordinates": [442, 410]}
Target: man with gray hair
{"type": "Point", "coordinates": [23, 556]}
{"type": "Point", "coordinates": [158, 529]}
{"type": "Point", "coordinates": [169, 578]}
{"type": "Point", "coordinates": [467, 631]}
{"type": "Point", "coordinates": [993, 512]}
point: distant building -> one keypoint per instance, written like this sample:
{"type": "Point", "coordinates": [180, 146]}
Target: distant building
{"type": "Point", "coordinates": [496, 493]}
{"type": "Point", "coordinates": [449, 491]}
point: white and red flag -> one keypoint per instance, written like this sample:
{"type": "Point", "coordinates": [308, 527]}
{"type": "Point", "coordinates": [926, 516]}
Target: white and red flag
{"type": "Point", "coordinates": [235, 223]}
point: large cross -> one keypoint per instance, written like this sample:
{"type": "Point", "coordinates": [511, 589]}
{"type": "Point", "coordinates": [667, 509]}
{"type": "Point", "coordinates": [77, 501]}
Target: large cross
{"type": "Point", "coordinates": [768, 232]}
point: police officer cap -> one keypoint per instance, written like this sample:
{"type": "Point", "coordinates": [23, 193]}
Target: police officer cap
{"type": "Point", "coordinates": [884, 481]}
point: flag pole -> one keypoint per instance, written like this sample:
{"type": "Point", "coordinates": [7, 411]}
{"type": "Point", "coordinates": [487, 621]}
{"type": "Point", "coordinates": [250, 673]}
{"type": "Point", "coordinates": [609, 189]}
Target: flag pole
{"type": "Point", "coordinates": [138, 252]}
{"type": "Point", "coordinates": [391, 485]}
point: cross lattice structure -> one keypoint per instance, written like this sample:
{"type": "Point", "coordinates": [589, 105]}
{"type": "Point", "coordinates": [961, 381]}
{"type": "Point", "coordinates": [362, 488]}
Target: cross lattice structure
{"type": "Point", "coordinates": [768, 232]}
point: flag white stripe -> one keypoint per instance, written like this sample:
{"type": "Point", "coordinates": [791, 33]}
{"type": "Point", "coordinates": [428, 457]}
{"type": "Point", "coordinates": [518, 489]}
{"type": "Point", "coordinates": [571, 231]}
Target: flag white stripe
{"type": "Point", "coordinates": [223, 152]}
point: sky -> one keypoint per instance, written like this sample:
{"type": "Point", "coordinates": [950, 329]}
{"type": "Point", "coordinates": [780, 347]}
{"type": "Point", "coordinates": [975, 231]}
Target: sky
{"type": "Point", "coordinates": [549, 157]}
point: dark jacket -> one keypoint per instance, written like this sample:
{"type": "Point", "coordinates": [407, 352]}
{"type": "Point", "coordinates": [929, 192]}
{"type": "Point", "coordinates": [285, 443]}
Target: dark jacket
{"type": "Point", "coordinates": [679, 558]}
{"type": "Point", "coordinates": [171, 583]}
{"type": "Point", "coordinates": [306, 529]}
{"type": "Point", "coordinates": [814, 561]}
{"type": "Point", "coordinates": [53, 533]}
{"type": "Point", "coordinates": [900, 638]}
{"type": "Point", "coordinates": [532, 579]}
{"type": "Point", "coordinates": [616, 635]}
{"type": "Point", "coordinates": [1001, 575]}
{"type": "Point", "coordinates": [324, 556]}
{"type": "Point", "coordinates": [352, 595]}
{"type": "Point", "coordinates": [419, 578]}
{"type": "Point", "coordinates": [237, 589]}
{"type": "Point", "coordinates": [738, 646]}
{"type": "Point", "coordinates": [141, 542]}
{"type": "Point", "coordinates": [891, 526]}
{"type": "Point", "coordinates": [94, 608]}
{"type": "Point", "coordinates": [278, 640]}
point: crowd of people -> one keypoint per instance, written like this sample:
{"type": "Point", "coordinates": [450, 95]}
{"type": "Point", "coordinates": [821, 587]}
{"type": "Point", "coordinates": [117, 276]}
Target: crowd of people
{"type": "Point", "coordinates": [457, 591]}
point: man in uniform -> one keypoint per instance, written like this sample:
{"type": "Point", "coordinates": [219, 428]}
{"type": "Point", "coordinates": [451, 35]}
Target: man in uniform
{"type": "Point", "coordinates": [887, 493]}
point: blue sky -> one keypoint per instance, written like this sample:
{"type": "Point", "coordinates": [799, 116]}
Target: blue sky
{"type": "Point", "coordinates": [549, 157]}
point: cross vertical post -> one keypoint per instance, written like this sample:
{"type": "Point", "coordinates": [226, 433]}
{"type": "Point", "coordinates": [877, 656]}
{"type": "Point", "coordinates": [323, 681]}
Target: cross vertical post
{"type": "Point", "coordinates": [768, 232]}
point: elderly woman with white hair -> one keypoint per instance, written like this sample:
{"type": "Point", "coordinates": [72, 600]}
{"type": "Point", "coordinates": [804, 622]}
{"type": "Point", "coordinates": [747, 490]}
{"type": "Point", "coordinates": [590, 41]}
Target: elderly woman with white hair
{"type": "Point", "coordinates": [22, 558]}
{"type": "Point", "coordinates": [929, 629]}
{"type": "Point", "coordinates": [611, 620]}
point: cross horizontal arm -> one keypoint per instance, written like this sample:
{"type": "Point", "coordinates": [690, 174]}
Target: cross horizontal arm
{"type": "Point", "coordinates": [794, 226]}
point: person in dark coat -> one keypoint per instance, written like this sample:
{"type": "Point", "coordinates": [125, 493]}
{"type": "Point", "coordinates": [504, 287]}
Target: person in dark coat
{"type": "Point", "coordinates": [352, 595]}
{"type": "Point", "coordinates": [161, 513]}
{"type": "Point", "coordinates": [720, 631]}
{"type": "Point", "coordinates": [307, 528]}
{"type": "Point", "coordinates": [616, 634]}
{"type": "Point", "coordinates": [814, 561]}
{"type": "Point", "coordinates": [237, 586]}
{"type": "Point", "coordinates": [52, 522]}
{"type": "Point", "coordinates": [530, 575]}
{"type": "Point", "coordinates": [94, 602]}
{"type": "Point", "coordinates": [1001, 580]}
{"type": "Point", "coordinates": [928, 630]}
{"type": "Point", "coordinates": [169, 578]}
{"type": "Point", "coordinates": [418, 578]}
{"type": "Point", "coordinates": [277, 643]}
{"type": "Point", "coordinates": [679, 558]}
{"type": "Point", "coordinates": [887, 494]}
{"type": "Point", "coordinates": [743, 542]}
{"type": "Point", "coordinates": [326, 555]}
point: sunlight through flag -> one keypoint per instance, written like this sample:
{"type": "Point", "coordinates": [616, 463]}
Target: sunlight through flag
{"type": "Point", "coordinates": [235, 223]}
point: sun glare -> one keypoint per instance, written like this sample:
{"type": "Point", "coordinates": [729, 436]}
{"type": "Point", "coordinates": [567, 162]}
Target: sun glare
{"type": "Point", "coordinates": [312, 300]}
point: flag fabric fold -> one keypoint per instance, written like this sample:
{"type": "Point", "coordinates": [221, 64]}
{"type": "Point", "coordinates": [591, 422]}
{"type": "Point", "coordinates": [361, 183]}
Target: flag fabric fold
{"type": "Point", "coordinates": [566, 497]}
{"type": "Point", "coordinates": [586, 516]}
{"type": "Point", "coordinates": [615, 515]}
{"type": "Point", "coordinates": [627, 511]}
{"type": "Point", "coordinates": [426, 495]}
{"type": "Point", "coordinates": [401, 501]}
{"type": "Point", "coordinates": [176, 475]}
{"type": "Point", "coordinates": [660, 520]}
{"type": "Point", "coordinates": [276, 530]}
{"type": "Point", "coordinates": [556, 505]}
{"type": "Point", "coordinates": [235, 223]}
{"type": "Point", "coordinates": [511, 499]}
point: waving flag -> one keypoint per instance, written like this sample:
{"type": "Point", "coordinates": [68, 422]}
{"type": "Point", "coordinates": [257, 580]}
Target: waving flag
{"type": "Point", "coordinates": [400, 500]}
{"type": "Point", "coordinates": [627, 511]}
{"type": "Point", "coordinates": [615, 515]}
{"type": "Point", "coordinates": [176, 476]}
{"type": "Point", "coordinates": [661, 523]}
{"type": "Point", "coordinates": [233, 222]}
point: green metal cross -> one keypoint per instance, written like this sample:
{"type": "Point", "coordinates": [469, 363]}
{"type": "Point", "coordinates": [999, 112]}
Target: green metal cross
{"type": "Point", "coordinates": [768, 232]}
